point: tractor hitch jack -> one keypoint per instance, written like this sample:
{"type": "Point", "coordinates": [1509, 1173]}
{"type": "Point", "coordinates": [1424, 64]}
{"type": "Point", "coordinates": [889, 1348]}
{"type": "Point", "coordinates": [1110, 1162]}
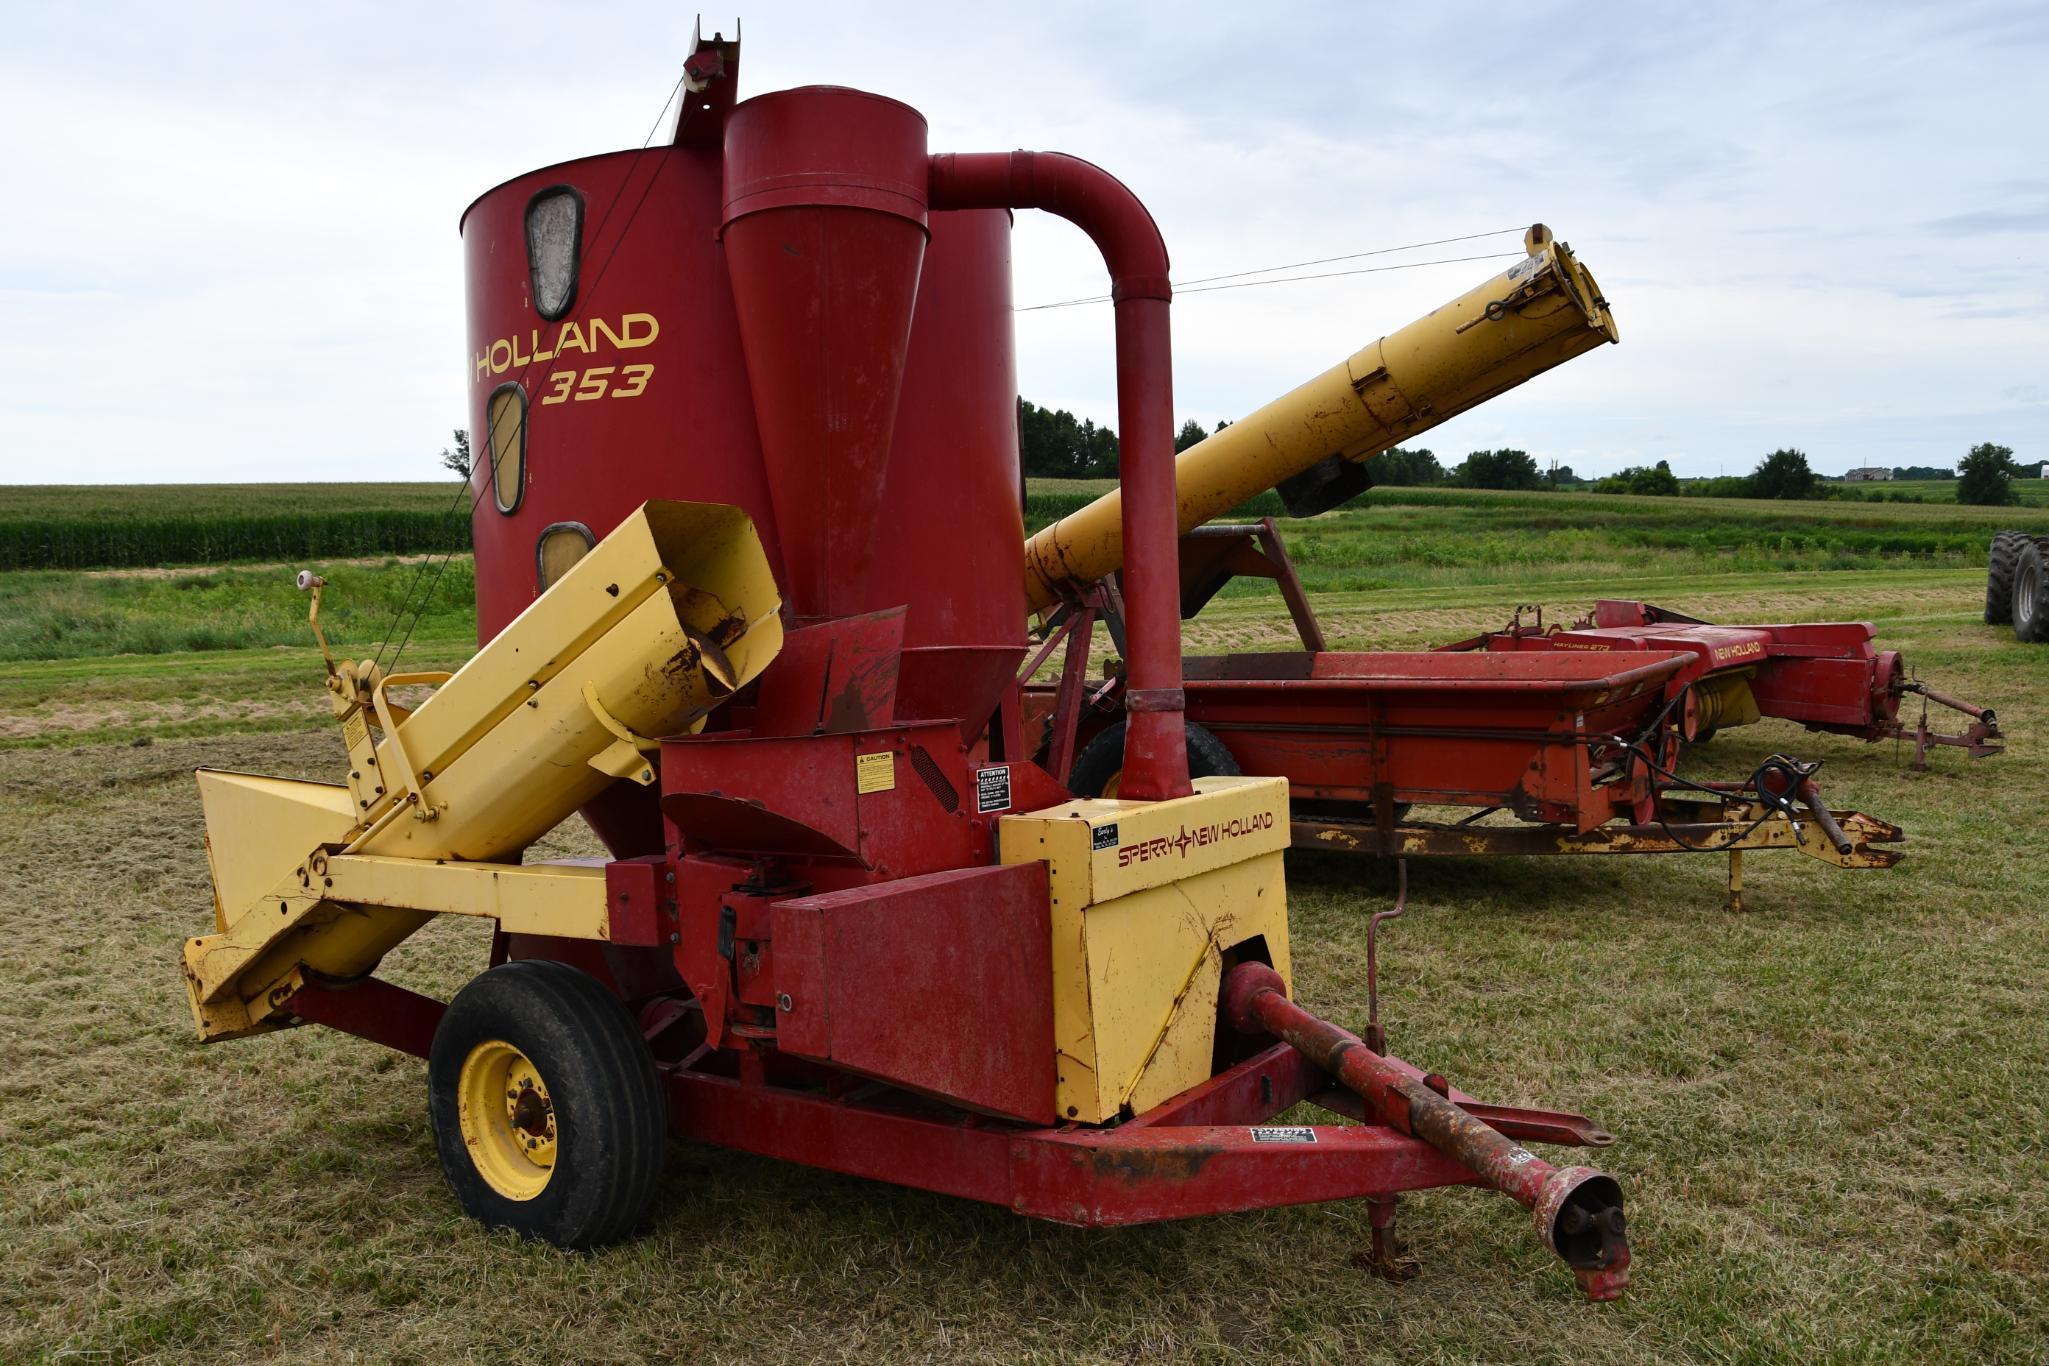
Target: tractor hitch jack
{"type": "Point", "coordinates": [1577, 1210]}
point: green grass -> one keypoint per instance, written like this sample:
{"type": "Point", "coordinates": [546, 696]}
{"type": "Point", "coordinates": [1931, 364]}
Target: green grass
{"type": "Point", "coordinates": [1392, 539]}
{"type": "Point", "coordinates": [120, 526]}
{"type": "Point", "coordinates": [139, 502]}
{"type": "Point", "coordinates": [2033, 492]}
{"type": "Point", "coordinates": [1401, 537]}
{"type": "Point", "coordinates": [55, 615]}
{"type": "Point", "coordinates": [1829, 1111]}
{"type": "Point", "coordinates": [116, 526]}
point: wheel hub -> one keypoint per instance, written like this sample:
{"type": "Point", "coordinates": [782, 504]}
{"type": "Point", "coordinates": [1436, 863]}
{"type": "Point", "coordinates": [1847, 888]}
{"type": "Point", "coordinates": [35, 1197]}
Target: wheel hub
{"type": "Point", "coordinates": [507, 1119]}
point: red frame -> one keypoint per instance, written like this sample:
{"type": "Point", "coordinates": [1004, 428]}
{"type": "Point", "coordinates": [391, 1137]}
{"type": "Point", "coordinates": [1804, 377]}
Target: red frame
{"type": "Point", "coordinates": [1199, 1153]}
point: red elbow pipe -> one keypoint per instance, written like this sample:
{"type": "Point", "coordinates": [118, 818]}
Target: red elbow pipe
{"type": "Point", "coordinates": [1155, 748]}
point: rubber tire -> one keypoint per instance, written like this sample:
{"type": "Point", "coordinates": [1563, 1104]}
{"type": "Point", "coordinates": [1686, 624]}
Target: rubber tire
{"type": "Point", "coordinates": [1999, 577]}
{"type": "Point", "coordinates": [2031, 582]}
{"type": "Point", "coordinates": [611, 1119]}
{"type": "Point", "coordinates": [1103, 758]}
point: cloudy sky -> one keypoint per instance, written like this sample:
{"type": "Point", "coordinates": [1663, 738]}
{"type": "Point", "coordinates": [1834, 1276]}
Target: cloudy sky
{"type": "Point", "coordinates": [230, 248]}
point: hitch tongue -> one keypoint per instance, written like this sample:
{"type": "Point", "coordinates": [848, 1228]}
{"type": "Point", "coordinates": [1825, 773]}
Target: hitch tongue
{"type": "Point", "coordinates": [1577, 1210]}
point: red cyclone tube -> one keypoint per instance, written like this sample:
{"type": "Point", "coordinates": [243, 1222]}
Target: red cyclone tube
{"type": "Point", "coordinates": [1155, 748]}
{"type": "Point", "coordinates": [1578, 1210]}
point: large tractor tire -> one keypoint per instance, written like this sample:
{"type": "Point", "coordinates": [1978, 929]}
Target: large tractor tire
{"type": "Point", "coordinates": [545, 1106]}
{"type": "Point", "coordinates": [1100, 765]}
{"type": "Point", "coordinates": [2031, 590]}
{"type": "Point", "coordinates": [2006, 547]}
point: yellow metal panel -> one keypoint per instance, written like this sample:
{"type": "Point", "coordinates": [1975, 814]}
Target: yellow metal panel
{"type": "Point", "coordinates": [566, 899]}
{"type": "Point", "coordinates": [1541, 312]}
{"type": "Point", "coordinates": [259, 829]}
{"type": "Point", "coordinates": [663, 620]}
{"type": "Point", "coordinates": [346, 911]}
{"type": "Point", "coordinates": [1152, 875]}
{"type": "Point", "coordinates": [532, 770]}
{"type": "Point", "coordinates": [1154, 960]}
{"type": "Point", "coordinates": [694, 572]}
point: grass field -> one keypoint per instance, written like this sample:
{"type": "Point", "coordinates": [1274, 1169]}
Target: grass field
{"type": "Point", "coordinates": [2032, 492]}
{"type": "Point", "coordinates": [98, 526]}
{"type": "Point", "coordinates": [66, 527]}
{"type": "Point", "coordinates": [1830, 1111]}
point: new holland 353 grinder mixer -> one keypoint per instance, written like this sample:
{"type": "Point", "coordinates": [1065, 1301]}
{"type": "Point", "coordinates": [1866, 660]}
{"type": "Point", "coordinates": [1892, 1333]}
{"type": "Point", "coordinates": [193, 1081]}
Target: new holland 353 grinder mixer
{"type": "Point", "coordinates": [747, 546]}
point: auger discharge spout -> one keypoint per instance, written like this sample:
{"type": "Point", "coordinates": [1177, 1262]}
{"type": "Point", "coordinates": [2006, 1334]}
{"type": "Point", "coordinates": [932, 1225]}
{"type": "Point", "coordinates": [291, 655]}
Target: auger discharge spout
{"type": "Point", "coordinates": [1314, 440]}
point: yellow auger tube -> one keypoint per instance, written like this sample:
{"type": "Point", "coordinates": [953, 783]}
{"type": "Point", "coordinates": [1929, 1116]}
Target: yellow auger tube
{"type": "Point", "coordinates": [664, 619]}
{"type": "Point", "coordinates": [1539, 313]}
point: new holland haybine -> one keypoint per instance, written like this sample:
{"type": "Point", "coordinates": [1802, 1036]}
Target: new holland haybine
{"type": "Point", "coordinates": [747, 539]}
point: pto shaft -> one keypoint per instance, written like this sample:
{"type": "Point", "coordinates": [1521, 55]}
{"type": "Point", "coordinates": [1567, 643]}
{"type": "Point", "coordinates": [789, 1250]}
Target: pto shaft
{"type": "Point", "coordinates": [1578, 1210]}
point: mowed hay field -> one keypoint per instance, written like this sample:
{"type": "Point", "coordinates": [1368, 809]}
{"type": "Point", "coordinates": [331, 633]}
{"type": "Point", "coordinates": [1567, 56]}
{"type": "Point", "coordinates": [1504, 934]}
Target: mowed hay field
{"type": "Point", "coordinates": [1830, 1110]}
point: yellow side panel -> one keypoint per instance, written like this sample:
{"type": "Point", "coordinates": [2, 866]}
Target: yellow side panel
{"type": "Point", "coordinates": [1101, 854]}
{"type": "Point", "coordinates": [259, 829]}
{"type": "Point", "coordinates": [666, 616]}
{"type": "Point", "coordinates": [1154, 961]}
{"type": "Point", "coordinates": [566, 900]}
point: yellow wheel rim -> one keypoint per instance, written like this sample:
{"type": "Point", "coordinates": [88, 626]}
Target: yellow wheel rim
{"type": "Point", "coordinates": [1110, 787]}
{"type": "Point", "coordinates": [508, 1121]}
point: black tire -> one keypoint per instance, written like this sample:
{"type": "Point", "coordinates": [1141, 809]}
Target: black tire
{"type": "Point", "coordinates": [1999, 577]}
{"type": "Point", "coordinates": [2031, 590]}
{"type": "Point", "coordinates": [602, 1105]}
{"type": "Point", "coordinates": [1102, 759]}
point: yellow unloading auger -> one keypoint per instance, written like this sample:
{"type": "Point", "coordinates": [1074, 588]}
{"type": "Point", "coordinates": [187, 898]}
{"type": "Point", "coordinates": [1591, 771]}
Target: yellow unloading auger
{"type": "Point", "coordinates": [316, 882]}
{"type": "Point", "coordinates": [1313, 441]}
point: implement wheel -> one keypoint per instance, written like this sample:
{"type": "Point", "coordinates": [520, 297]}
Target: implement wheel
{"type": "Point", "coordinates": [1100, 766]}
{"type": "Point", "coordinates": [2031, 590]}
{"type": "Point", "coordinates": [2006, 547]}
{"type": "Point", "coordinates": [545, 1106]}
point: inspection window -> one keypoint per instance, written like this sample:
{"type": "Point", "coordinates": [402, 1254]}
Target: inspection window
{"type": "Point", "coordinates": [506, 414]}
{"type": "Point", "coordinates": [560, 546]}
{"type": "Point", "coordinates": [554, 244]}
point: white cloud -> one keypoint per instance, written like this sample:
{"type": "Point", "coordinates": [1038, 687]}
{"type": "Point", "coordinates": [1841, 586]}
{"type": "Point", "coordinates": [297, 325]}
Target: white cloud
{"type": "Point", "coordinates": [231, 250]}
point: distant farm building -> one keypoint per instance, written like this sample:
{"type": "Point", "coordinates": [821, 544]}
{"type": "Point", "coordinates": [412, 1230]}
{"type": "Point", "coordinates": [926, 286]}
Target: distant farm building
{"type": "Point", "coordinates": [1865, 474]}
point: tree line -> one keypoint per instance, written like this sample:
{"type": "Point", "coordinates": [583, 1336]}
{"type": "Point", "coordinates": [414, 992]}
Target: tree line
{"type": "Point", "coordinates": [1985, 476]}
{"type": "Point", "coordinates": [1055, 444]}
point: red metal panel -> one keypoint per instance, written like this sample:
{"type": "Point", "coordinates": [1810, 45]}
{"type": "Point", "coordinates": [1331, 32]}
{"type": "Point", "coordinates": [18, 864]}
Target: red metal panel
{"type": "Point", "coordinates": [833, 677]}
{"type": "Point", "coordinates": [602, 438]}
{"type": "Point", "coordinates": [932, 1150]}
{"type": "Point", "coordinates": [701, 885]}
{"type": "Point", "coordinates": [1114, 1178]}
{"type": "Point", "coordinates": [373, 1009]}
{"type": "Point", "coordinates": [866, 973]}
{"type": "Point", "coordinates": [1837, 694]}
{"type": "Point", "coordinates": [954, 536]}
{"type": "Point", "coordinates": [824, 234]}
{"type": "Point", "coordinates": [1257, 1088]}
{"type": "Point", "coordinates": [1501, 729]}
{"type": "Point", "coordinates": [1156, 758]}
{"type": "Point", "coordinates": [634, 892]}
{"type": "Point", "coordinates": [801, 797]}
{"type": "Point", "coordinates": [1129, 1175]}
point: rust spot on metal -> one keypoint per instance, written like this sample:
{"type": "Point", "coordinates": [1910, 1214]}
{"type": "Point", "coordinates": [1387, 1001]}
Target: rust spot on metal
{"type": "Point", "coordinates": [1138, 1165]}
